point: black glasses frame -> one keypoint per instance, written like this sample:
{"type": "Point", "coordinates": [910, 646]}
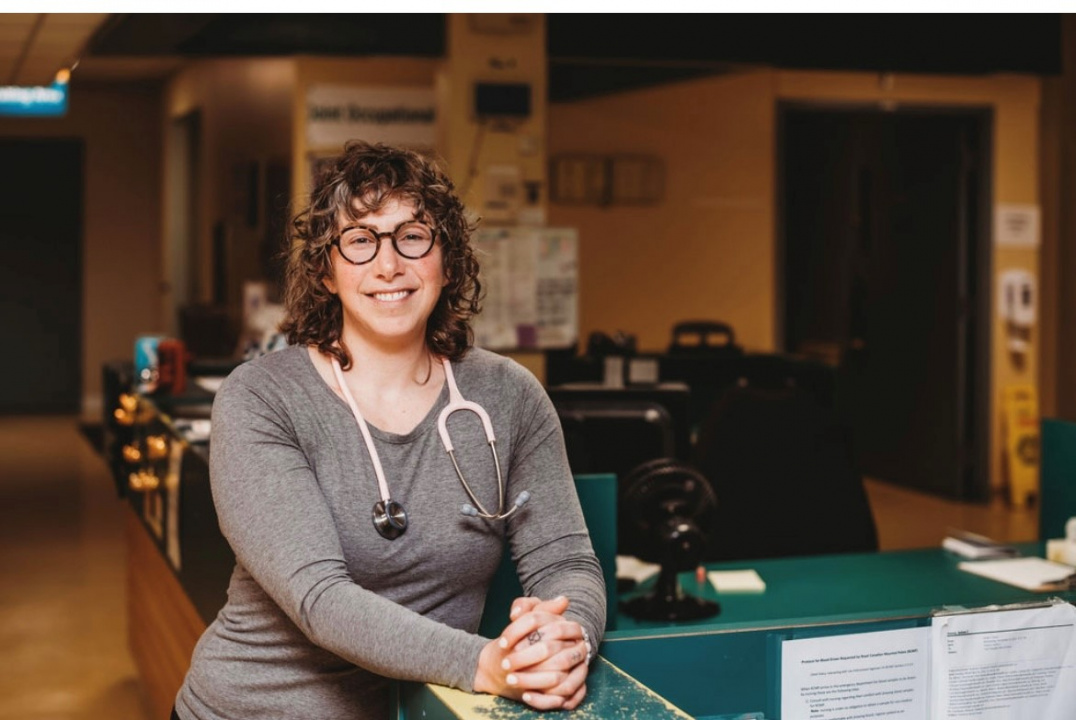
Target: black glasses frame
{"type": "Point", "coordinates": [389, 234]}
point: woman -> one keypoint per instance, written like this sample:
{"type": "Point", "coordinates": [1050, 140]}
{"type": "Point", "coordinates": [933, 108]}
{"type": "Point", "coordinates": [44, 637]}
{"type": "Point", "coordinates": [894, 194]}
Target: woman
{"type": "Point", "coordinates": [332, 482]}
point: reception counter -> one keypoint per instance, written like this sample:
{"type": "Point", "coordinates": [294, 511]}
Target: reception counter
{"type": "Point", "coordinates": [178, 562]}
{"type": "Point", "coordinates": [729, 666]}
{"type": "Point", "coordinates": [723, 667]}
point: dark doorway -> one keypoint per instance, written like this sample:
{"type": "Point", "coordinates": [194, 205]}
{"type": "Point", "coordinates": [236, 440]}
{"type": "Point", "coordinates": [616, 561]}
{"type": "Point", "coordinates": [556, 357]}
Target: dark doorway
{"type": "Point", "coordinates": [885, 244]}
{"type": "Point", "coordinates": [41, 276]}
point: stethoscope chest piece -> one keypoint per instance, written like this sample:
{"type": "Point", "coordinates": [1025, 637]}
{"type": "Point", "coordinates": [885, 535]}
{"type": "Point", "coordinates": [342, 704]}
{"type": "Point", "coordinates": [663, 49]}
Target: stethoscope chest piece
{"type": "Point", "coordinates": [390, 519]}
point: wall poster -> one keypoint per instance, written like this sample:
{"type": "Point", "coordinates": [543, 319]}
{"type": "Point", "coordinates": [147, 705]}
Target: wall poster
{"type": "Point", "coordinates": [531, 283]}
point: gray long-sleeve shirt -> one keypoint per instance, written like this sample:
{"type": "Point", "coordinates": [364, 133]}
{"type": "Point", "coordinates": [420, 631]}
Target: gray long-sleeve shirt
{"type": "Point", "coordinates": [321, 609]}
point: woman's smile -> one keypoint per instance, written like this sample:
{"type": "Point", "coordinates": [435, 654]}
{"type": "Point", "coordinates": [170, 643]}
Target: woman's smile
{"type": "Point", "coordinates": [388, 297]}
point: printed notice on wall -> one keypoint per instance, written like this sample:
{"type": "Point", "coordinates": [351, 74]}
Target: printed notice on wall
{"type": "Point", "coordinates": [530, 280]}
{"type": "Point", "coordinates": [865, 675]}
{"type": "Point", "coordinates": [397, 116]}
{"type": "Point", "coordinates": [1006, 665]}
{"type": "Point", "coordinates": [1016, 226]}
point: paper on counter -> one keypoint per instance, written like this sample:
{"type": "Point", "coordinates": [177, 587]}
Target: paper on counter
{"type": "Point", "coordinates": [1029, 573]}
{"type": "Point", "coordinates": [736, 581]}
{"type": "Point", "coordinates": [1005, 665]}
{"type": "Point", "coordinates": [863, 675]}
{"type": "Point", "coordinates": [632, 568]}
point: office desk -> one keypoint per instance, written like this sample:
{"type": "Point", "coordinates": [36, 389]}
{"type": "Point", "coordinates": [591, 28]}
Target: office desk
{"type": "Point", "coordinates": [729, 666]}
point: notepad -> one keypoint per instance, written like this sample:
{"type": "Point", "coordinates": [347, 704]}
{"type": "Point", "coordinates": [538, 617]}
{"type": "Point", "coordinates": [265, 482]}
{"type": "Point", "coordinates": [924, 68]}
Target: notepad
{"type": "Point", "coordinates": [736, 581]}
{"type": "Point", "coordinates": [1030, 573]}
{"type": "Point", "coordinates": [632, 568]}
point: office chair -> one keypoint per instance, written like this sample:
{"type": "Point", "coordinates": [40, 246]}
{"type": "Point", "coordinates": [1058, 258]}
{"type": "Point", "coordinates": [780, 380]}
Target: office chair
{"type": "Point", "coordinates": [781, 462]}
{"type": "Point", "coordinates": [704, 355]}
{"type": "Point", "coordinates": [706, 337]}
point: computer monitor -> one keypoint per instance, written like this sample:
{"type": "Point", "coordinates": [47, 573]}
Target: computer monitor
{"type": "Point", "coordinates": [615, 429]}
{"type": "Point", "coordinates": [614, 436]}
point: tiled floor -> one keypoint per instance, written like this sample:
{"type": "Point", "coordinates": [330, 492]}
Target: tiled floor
{"type": "Point", "coordinates": [63, 647]}
{"type": "Point", "coordinates": [63, 631]}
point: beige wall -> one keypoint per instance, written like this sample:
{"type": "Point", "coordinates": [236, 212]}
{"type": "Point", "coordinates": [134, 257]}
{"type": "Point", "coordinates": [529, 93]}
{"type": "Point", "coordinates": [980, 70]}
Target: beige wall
{"type": "Point", "coordinates": [717, 139]}
{"type": "Point", "coordinates": [245, 106]}
{"type": "Point", "coordinates": [121, 253]}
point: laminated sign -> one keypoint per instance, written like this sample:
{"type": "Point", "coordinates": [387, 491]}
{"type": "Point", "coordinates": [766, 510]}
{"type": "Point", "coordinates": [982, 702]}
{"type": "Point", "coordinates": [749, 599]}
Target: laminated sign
{"type": "Point", "coordinates": [396, 116]}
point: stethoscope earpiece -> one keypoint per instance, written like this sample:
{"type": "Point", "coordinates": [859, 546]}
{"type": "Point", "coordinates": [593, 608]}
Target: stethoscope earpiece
{"type": "Point", "coordinates": [471, 511]}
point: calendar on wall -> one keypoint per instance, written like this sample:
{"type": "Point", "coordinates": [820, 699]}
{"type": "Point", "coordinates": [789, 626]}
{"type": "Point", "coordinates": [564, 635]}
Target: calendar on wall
{"type": "Point", "coordinates": [531, 283]}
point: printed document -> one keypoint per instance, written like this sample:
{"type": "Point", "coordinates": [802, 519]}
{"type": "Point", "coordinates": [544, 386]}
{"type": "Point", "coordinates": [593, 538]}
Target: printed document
{"type": "Point", "coordinates": [1005, 665]}
{"type": "Point", "coordinates": [866, 675]}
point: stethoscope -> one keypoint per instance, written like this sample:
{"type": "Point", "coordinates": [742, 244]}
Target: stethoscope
{"type": "Point", "coordinates": [389, 516]}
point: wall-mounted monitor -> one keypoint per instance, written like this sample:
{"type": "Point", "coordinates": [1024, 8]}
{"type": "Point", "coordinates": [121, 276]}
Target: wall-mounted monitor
{"type": "Point", "coordinates": [502, 100]}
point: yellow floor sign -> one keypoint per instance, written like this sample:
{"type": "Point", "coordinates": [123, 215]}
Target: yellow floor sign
{"type": "Point", "coordinates": [1021, 417]}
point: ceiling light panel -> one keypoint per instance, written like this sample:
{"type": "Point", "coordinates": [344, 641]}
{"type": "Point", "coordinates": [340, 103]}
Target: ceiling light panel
{"type": "Point", "coordinates": [33, 58]}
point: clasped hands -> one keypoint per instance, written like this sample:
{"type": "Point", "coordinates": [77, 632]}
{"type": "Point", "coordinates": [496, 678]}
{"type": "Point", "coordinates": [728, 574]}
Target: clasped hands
{"type": "Point", "coordinates": [540, 658]}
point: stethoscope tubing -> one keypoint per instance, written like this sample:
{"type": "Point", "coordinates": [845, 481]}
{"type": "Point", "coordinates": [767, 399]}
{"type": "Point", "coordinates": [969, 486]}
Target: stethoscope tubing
{"type": "Point", "coordinates": [379, 472]}
{"type": "Point", "coordinates": [456, 404]}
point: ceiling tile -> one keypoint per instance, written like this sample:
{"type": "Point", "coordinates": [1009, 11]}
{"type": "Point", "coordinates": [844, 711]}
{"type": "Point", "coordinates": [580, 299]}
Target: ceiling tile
{"type": "Point", "coordinates": [18, 19]}
{"type": "Point", "coordinates": [13, 34]}
{"type": "Point", "coordinates": [90, 20]}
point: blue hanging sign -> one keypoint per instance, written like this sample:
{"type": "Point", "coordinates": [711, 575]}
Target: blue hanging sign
{"type": "Point", "coordinates": [41, 101]}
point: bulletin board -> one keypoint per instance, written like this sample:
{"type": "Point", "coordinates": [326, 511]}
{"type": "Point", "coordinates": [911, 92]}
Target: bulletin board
{"type": "Point", "coordinates": [531, 283]}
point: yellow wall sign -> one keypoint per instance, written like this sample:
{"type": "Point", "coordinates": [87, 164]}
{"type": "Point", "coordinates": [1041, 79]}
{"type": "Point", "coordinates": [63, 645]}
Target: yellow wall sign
{"type": "Point", "coordinates": [1021, 410]}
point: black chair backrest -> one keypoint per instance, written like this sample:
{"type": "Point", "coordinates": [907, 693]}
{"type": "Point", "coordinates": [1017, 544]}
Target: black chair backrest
{"type": "Point", "coordinates": [783, 467]}
{"type": "Point", "coordinates": [703, 336]}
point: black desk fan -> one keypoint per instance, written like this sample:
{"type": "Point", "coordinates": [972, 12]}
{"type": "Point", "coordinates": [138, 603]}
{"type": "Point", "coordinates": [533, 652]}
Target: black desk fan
{"type": "Point", "coordinates": [668, 508]}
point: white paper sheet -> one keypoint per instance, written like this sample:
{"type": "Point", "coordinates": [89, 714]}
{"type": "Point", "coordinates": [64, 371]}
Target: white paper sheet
{"type": "Point", "coordinates": [1030, 573]}
{"type": "Point", "coordinates": [632, 568]}
{"type": "Point", "coordinates": [1005, 665]}
{"type": "Point", "coordinates": [736, 581]}
{"type": "Point", "coordinates": [865, 675]}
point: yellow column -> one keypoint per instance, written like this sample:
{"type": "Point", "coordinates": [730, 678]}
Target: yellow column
{"type": "Point", "coordinates": [490, 158]}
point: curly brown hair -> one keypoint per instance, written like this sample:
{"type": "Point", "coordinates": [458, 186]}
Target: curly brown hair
{"type": "Point", "coordinates": [368, 177]}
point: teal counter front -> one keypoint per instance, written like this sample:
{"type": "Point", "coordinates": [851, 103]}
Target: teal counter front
{"type": "Point", "coordinates": [728, 666]}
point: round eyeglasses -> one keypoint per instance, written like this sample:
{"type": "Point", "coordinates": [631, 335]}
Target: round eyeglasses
{"type": "Point", "coordinates": [359, 244]}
